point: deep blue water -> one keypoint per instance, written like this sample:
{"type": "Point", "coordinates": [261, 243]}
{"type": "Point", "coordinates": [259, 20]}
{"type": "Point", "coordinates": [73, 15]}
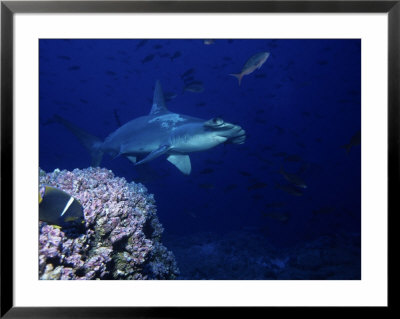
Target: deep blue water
{"type": "Point", "coordinates": [298, 110]}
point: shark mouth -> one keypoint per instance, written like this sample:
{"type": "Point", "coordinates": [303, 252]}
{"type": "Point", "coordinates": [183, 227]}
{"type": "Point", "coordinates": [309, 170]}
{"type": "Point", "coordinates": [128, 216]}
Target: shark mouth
{"type": "Point", "coordinates": [238, 138]}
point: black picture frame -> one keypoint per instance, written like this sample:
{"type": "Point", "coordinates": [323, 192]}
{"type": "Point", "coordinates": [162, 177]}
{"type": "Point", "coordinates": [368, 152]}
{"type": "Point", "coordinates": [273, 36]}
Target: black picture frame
{"type": "Point", "coordinates": [9, 8]}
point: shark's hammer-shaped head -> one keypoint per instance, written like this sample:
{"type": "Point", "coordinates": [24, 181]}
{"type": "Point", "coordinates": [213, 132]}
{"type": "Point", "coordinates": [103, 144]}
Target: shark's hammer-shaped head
{"type": "Point", "coordinates": [230, 132]}
{"type": "Point", "coordinates": [201, 136]}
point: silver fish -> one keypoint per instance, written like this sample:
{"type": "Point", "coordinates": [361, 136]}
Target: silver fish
{"type": "Point", "coordinates": [255, 62]}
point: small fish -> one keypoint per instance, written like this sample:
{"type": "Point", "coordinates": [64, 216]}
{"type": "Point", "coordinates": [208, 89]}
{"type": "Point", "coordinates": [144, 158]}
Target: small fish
{"type": "Point", "coordinates": [74, 68]}
{"type": "Point", "coordinates": [257, 185]}
{"type": "Point", "coordinates": [117, 118]}
{"type": "Point", "coordinates": [280, 154]}
{"type": "Point", "coordinates": [257, 196]}
{"type": "Point", "coordinates": [63, 57]}
{"type": "Point", "coordinates": [188, 79]}
{"type": "Point", "coordinates": [57, 207]}
{"type": "Point", "coordinates": [207, 186]}
{"type": "Point", "coordinates": [141, 43]}
{"type": "Point", "coordinates": [300, 144]}
{"type": "Point", "coordinates": [244, 173]}
{"type": "Point", "coordinates": [177, 54]}
{"type": "Point", "coordinates": [323, 210]}
{"type": "Point", "coordinates": [168, 96]}
{"type": "Point", "coordinates": [354, 141]}
{"type": "Point", "coordinates": [255, 62]}
{"type": "Point", "coordinates": [275, 205]}
{"type": "Point", "coordinates": [208, 42]}
{"type": "Point", "coordinates": [187, 73]}
{"type": "Point", "coordinates": [207, 171]}
{"type": "Point", "coordinates": [292, 178]}
{"type": "Point", "coordinates": [148, 58]}
{"type": "Point", "coordinates": [194, 87]}
{"type": "Point", "coordinates": [230, 187]}
{"type": "Point", "coordinates": [112, 73]}
{"type": "Point", "coordinates": [261, 121]}
{"type": "Point", "coordinates": [289, 189]}
{"type": "Point", "coordinates": [293, 158]}
{"type": "Point", "coordinates": [267, 148]}
{"type": "Point", "coordinates": [279, 129]}
{"type": "Point", "coordinates": [211, 161]}
{"type": "Point", "coordinates": [190, 213]}
{"type": "Point", "coordinates": [282, 217]}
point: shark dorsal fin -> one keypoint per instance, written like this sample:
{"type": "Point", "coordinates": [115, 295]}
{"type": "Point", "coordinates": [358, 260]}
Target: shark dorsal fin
{"type": "Point", "coordinates": [158, 101]}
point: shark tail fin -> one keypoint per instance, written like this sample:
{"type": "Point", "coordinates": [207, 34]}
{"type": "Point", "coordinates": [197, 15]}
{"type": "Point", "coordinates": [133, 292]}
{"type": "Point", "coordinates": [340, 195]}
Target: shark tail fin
{"type": "Point", "coordinates": [239, 76]}
{"type": "Point", "coordinates": [90, 142]}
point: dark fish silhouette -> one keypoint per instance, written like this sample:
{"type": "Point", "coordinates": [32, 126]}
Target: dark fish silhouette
{"type": "Point", "coordinates": [206, 171]}
{"type": "Point", "coordinates": [354, 141]}
{"type": "Point", "coordinates": [148, 58]}
{"type": "Point", "coordinates": [194, 87]}
{"type": "Point", "coordinates": [280, 154]}
{"type": "Point", "coordinates": [177, 54]}
{"type": "Point", "coordinates": [257, 185]}
{"type": "Point", "coordinates": [275, 205]}
{"type": "Point", "coordinates": [117, 118]}
{"type": "Point", "coordinates": [282, 217]}
{"type": "Point", "coordinates": [323, 210]}
{"type": "Point", "coordinates": [141, 43]}
{"type": "Point", "coordinates": [63, 57]}
{"type": "Point", "coordinates": [230, 187]}
{"type": "Point", "coordinates": [292, 178]}
{"type": "Point", "coordinates": [289, 189]}
{"type": "Point", "coordinates": [293, 158]}
{"type": "Point", "coordinates": [244, 173]}
{"type": "Point", "coordinates": [207, 186]}
{"type": "Point", "coordinates": [187, 73]}
{"type": "Point", "coordinates": [210, 161]}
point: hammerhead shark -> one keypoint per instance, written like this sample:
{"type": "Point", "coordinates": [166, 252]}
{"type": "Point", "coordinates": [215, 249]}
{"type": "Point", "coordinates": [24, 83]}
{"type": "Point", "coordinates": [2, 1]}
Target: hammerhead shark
{"type": "Point", "coordinates": [161, 132]}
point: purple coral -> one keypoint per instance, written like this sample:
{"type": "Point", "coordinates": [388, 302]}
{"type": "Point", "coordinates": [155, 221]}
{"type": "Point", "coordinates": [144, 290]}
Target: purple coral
{"type": "Point", "coordinates": [121, 238]}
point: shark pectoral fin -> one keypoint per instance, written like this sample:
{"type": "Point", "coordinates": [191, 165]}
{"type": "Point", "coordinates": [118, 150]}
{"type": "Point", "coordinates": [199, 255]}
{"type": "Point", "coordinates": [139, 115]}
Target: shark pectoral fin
{"type": "Point", "coordinates": [132, 159]}
{"type": "Point", "coordinates": [156, 153]}
{"type": "Point", "coordinates": [182, 162]}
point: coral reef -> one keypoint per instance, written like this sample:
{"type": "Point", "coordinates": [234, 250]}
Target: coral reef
{"type": "Point", "coordinates": [121, 237]}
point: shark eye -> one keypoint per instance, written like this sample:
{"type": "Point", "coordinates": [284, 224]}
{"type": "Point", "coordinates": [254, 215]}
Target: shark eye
{"type": "Point", "coordinates": [217, 120]}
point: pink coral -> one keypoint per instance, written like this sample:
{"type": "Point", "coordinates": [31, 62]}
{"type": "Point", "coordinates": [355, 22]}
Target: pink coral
{"type": "Point", "coordinates": [113, 244]}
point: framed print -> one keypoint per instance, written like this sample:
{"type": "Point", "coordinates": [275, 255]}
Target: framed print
{"type": "Point", "coordinates": [196, 154]}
